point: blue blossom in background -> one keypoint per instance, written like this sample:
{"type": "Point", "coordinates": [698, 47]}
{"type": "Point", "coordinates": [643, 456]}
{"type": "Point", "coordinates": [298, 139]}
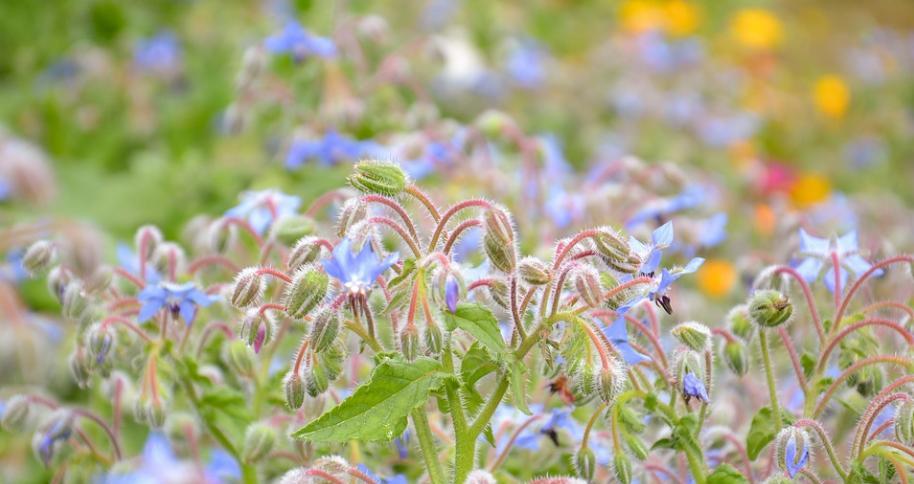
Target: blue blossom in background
{"type": "Point", "coordinates": [295, 40]}
{"type": "Point", "coordinates": [526, 64]}
{"type": "Point", "coordinates": [11, 269]}
{"type": "Point", "coordinates": [713, 230]}
{"type": "Point", "coordinates": [181, 299]}
{"type": "Point", "coordinates": [329, 150]}
{"type": "Point", "coordinates": [866, 152]}
{"type": "Point", "coordinates": [130, 262]}
{"type": "Point", "coordinates": [555, 420]}
{"type": "Point", "coordinates": [664, 55]}
{"type": "Point", "coordinates": [692, 196]}
{"type": "Point", "coordinates": [262, 208]}
{"type": "Point", "coordinates": [693, 387]}
{"type": "Point", "coordinates": [357, 272]}
{"type": "Point", "coordinates": [617, 333]}
{"type": "Point", "coordinates": [396, 479]}
{"type": "Point", "coordinates": [6, 190]}
{"type": "Point", "coordinates": [817, 253]}
{"type": "Point", "coordinates": [721, 131]}
{"type": "Point", "coordinates": [160, 54]}
{"type": "Point", "coordinates": [159, 463]}
{"type": "Point", "coordinates": [564, 208]}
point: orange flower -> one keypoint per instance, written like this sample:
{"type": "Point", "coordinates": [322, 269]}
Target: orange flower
{"type": "Point", "coordinates": [716, 277]}
{"type": "Point", "coordinates": [809, 189]}
{"type": "Point", "coordinates": [756, 28]}
{"type": "Point", "coordinates": [832, 96]}
{"type": "Point", "coordinates": [765, 219]}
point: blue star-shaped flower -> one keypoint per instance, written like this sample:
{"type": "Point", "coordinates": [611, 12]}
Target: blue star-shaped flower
{"type": "Point", "coordinates": [617, 333]}
{"type": "Point", "coordinates": [693, 387]}
{"type": "Point", "coordinates": [795, 459]}
{"type": "Point", "coordinates": [262, 208]}
{"type": "Point", "coordinates": [817, 253]}
{"type": "Point", "coordinates": [357, 272]}
{"type": "Point", "coordinates": [295, 40]}
{"type": "Point", "coordinates": [180, 299]}
{"type": "Point", "coordinates": [692, 196]}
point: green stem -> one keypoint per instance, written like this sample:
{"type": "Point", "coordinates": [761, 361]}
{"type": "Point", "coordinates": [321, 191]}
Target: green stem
{"type": "Point", "coordinates": [424, 433]}
{"type": "Point", "coordinates": [465, 459]}
{"type": "Point", "coordinates": [769, 375]}
{"type": "Point", "coordinates": [696, 466]}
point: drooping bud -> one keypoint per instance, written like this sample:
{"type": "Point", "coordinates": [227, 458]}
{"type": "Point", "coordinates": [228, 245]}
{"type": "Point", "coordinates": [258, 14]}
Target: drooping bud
{"type": "Point", "coordinates": [295, 391]}
{"type": "Point", "coordinates": [16, 413]}
{"type": "Point", "coordinates": [379, 177]}
{"type": "Point", "coordinates": [146, 240]}
{"type": "Point", "coordinates": [101, 339]}
{"type": "Point", "coordinates": [584, 384]}
{"type": "Point", "coordinates": [306, 251]}
{"type": "Point", "coordinates": [622, 468]}
{"type": "Point", "coordinates": [585, 463]}
{"type": "Point", "coordinates": [610, 381]}
{"type": "Point", "coordinates": [770, 308]}
{"type": "Point", "coordinates": [316, 380]}
{"type": "Point", "coordinates": [637, 446]}
{"type": "Point", "coordinates": [534, 271]}
{"type": "Point", "coordinates": [740, 323]}
{"type": "Point", "coordinates": [324, 328]}
{"type": "Point", "coordinates": [499, 292]}
{"type": "Point", "coordinates": [451, 293]}
{"type": "Point", "coordinates": [308, 289]}
{"type": "Point", "coordinates": [76, 307]}
{"type": "Point", "coordinates": [587, 283]}
{"type": "Point", "coordinates": [694, 335]}
{"type": "Point", "coordinates": [100, 280]}
{"type": "Point", "coordinates": [168, 258]}
{"type": "Point", "coordinates": [499, 240]}
{"type": "Point", "coordinates": [612, 247]}
{"type": "Point", "coordinates": [240, 357]}
{"type": "Point", "coordinates": [735, 356]}
{"type": "Point", "coordinates": [53, 433]}
{"type": "Point", "coordinates": [290, 228]}
{"type": "Point", "coordinates": [904, 422]}
{"type": "Point", "coordinates": [80, 368]}
{"type": "Point", "coordinates": [259, 440]}
{"type": "Point", "coordinates": [257, 329]}
{"type": "Point", "coordinates": [409, 342]}
{"type": "Point", "coordinates": [155, 413]}
{"type": "Point", "coordinates": [58, 279]}
{"type": "Point", "coordinates": [433, 339]}
{"type": "Point", "coordinates": [247, 289]}
{"type": "Point", "coordinates": [352, 212]}
{"type": "Point", "coordinates": [38, 257]}
{"type": "Point", "coordinates": [792, 446]}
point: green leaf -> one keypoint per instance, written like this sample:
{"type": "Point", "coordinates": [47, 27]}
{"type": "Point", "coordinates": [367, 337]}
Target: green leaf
{"type": "Point", "coordinates": [481, 323]}
{"type": "Point", "coordinates": [476, 363]}
{"type": "Point", "coordinates": [517, 377]}
{"type": "Point", "coordinates": [808, 362]}
{"type": "Point", "coordinates": [726, 474]}
{"type": "Point", "coordinates": [378, 409]}
{"type": "Point", "coordinates": [762, 430]}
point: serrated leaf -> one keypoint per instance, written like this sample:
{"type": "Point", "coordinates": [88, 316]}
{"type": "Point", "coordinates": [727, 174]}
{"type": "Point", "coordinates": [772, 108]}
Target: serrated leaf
{"type": "Point", "coordinates": [762, 430]}
{"type": "Point", "coordinates": [517, 377]}
{"type": "Point", "coordinates": [479, 321]}
{"type": "Point", "coordinates": [726, 474]}
{"type": "Point", "coordinates": [378, 409]}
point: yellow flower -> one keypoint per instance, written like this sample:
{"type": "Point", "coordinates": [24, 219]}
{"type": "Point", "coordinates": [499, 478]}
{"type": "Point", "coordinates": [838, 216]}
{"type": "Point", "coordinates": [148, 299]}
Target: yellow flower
{"type": "Point", "coordinates": [756, 28]}
{"type": "Point", "coordinates": [681, 17]}
{"type": "Point", "coordinates": [716, 277]}
{"type": "Point", "coordinates": [640, 15]}
{"type": "Point", "coordinates": [832, 96]}
{"type": "Point", "coordinates": [809, 190]}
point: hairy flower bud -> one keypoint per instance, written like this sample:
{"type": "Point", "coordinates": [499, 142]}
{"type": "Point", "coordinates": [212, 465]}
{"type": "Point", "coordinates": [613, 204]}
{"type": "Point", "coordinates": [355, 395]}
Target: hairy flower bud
{"type": "Point", "coordinates": [52, 434]}
{"type": "Point", "coordinates": [498, 289]}
{"type": "Point", "coordinates": [58, 279]}
{"type": "Point", "coordinates": [770, 308]}
{"type": "Point", "coordinates": [740, 323]}
{"type": "Point", "coordinates": [587, 283]}
{"type": "Point", "coordinates": [584, 385]}
{"type": "Point", "coordinates": [382, 178]}
{"type": "Point", "coordinates": [585, 463]}
{"type": "Point", "coordinates": [295, 390]}
{"type": "Point", "coordinates": [409, 342]}
{"type": "Point", "coordinates": [433, 339]}
{"type": "Point", "coordinates": [792, 446]}
{"type": "Point", "coordinates": [101, 340]}
{"type": "Point", "coordinates": [610, 381]}
{"type": "Point", "coordinates": [534, 271]}
{"type": "Point", "coordinates": [38, 257]}
{"type": "Point", "coordinates": [316, 380]}
{"type": "Point", "coordinates": [324, 328]}
{"type": "Point", "coordinates": [637, 446]}
{"type": "Point", "coordinates": [240, 357]}
{"type": "Point", "coordinates": [80, 368]}
{"type": "Point", "coordinates": [155, 413]}
{"type": "Point", "coordinates": [622, 468]}
{"type": "Point", "coordinates": [499, 240]}
{"type": "Point", "coordinates": [308, 289]}
{"type": "Point", "coordinates": [904, 422]}
{"type": "Point", "coordinates": [76, 306]}
{"type": "Point", "coordinates": [611, 246]}
{"type": "Point", "coordinates": [735, 356]}
{"type": "Point", "coordinates": [146, 240]}
{"type": "Point", "coordinates": [248, 288]}
{"type": "Point", "coordinates": [256, 329]}
{"type": "Point", "coordinates": [351, 213]}
{"type": "Point", "coordinates": [259, 440]}
{"type": "Point", "coordinates": [694, 335]}
{"type": "Point", "coordinates": [451, 293]}
{"type": "Point", "coordinates": [501, 255]}
{"type": "Point", "coordinates": [15, 413]}
{"type": "Point", "coordinates": [306, 251]}
{"type": "Point", "coordinates": [290, 228]}
{"type": "Point", "coordinates": [169, 258]}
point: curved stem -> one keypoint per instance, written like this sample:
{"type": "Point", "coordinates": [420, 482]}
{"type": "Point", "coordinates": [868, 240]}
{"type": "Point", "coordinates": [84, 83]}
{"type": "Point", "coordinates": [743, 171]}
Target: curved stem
{"type": "Point", "coordinates": [872, 411]}
{"type": "Point", "coordinates": [101, 423]}
{"type": "Point", "coordinates": [442, 221]}
{"type": "Point", "coordinates": [504, 453]}
{"type": "Point", "coordinates": [275, 273]}
{"type": "Point", "coordinates": [860, 280]}
{"type": "Point", "coordinates": [872, 360]}
{"type": "Point", "coordinates": [515, 313]}
{"type": "Point", "coordinates": [418, 194]}
{"type": "Point", "coordinates": [823, 359]}
{"type": "Point", "coordinates": [396, 207]}
{"type": "Point", "coordinates": [826, 442]}
{"type": "Point", "coordinates": [399, 230]}
{"type": "Point", "coordinates": [807, 293]}
{"type": "Point", "coordinates": [455, 234]}
{"type": "Point", "coordinates": [794, 359]}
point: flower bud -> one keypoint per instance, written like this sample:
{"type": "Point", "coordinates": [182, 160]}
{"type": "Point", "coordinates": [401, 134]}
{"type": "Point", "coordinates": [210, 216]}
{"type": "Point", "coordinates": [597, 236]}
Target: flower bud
{"type": "Point", "coordinates": [792, 446]}
{"type": "Point", "coordinates": [56, 430]}
{"type": "Point", "coordinates": [240, 358]}
{"type": "Point", "coordinates": [770, 308]}
{"type": "Point", "coordinates": [409, 342]}
{"type": "Point", "coordinates": [637, 446]}
{"type": "Point", "coordinates": [168, 258]}
{"type": "Point", "coordinates": [611, 246]}
{"type": "Point", "coordinates": [451, 293]}
{"type": "Point", "coordinates": [382, 178]}
{"type": "Point", "coordinates": [324, 328]}
{"type": "Point", "coordinates": [629, 265]}
{"type": "Point", "coordinates": [76, 307]}
{"type": "Point", "coordinates": [147, 238]}
{"type": "Point", "coordinates": [904, 422]}
{"type": "Point", "coordinates": [735, 356]}
{"type": "Point", "coordinates": [259, 440]}
{"type": "Point", "coordinates": [498, 225]}
{"type": "Point", "coordinates": [16, 413]}
{"type": "Point", "coordinates": [155, 413]}
{"type": "Point", "coordinates": [534, 271]}
{"type": "Point", "coordinates": [101, 339]}
{"type": "Point", "coordinates": [501, 255]}
{"type": "Point", "coordinates": [306, 251]}
{"type": "Point", "coordinates": [352, 212]}
{"type": "Point", "coordinates": [80, 368]}
{"type": "Point", "coordinates": [498, 241]}
{"type": "Point", "coordinates": [584, 385]}
{"type": "Point", "coordinates": [694, 335]}
{"type": "Point", "coordinates": [38, 257]}
{"type": "Point", "coordinates": [622, 468]}
{"type": "Point", "coordinates": [316, 381]}
{"type": "Point", "coordinates": [248, 288]}
{"type": "Point", "coordinates": [498, 290]}
{"type": "Point", "coordinates": [295, 391]}
{"type": "Point", "coordinates": [257, 329]}
{"type": "Point", "coordinates": [308, 288]}
{"type": "Point", "coordinates": [610, 381]}
{"type": "Point", "coordinates": [740, 323]}
{"type": "Point", "coordinates": [585, 463]}
{"type": "Point", "coordinates": [58, 279]}
{"type": "Point", "coordinates": [632, 419]}
{"type": "Point", "coordinates": [100, 280]}
{"type": "Point", "coordinates": [290, 228]}
{"type": "Point", "coordinates": [587, 283]}
{"type": "Point", "coordinates": [432, 337]}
